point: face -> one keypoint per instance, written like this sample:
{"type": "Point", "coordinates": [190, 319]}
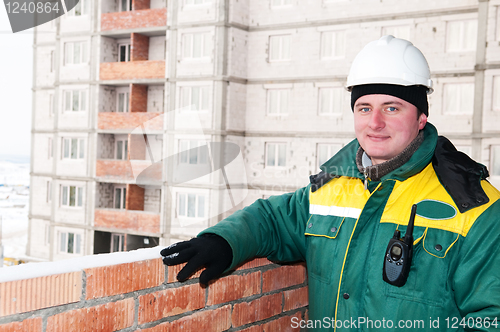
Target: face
{"type": "Point", "coordinates": [385, 125]}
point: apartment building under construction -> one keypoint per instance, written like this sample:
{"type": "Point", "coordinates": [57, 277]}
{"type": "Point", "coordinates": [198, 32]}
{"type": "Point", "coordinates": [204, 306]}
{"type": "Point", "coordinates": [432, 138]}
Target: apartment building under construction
{"type": "Point", "coordinates": [153, 119]}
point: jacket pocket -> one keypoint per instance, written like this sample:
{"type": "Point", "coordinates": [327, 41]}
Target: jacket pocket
{"type": "Point", "coordinates": [428, 277]}
{"type": "Point", "coordinates": [324, 237]}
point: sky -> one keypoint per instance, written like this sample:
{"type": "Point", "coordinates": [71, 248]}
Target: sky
{"type": "Point", "coordinates": [16, 82]}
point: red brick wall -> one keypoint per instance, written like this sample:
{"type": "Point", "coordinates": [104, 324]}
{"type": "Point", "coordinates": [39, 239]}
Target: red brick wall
{"type": "Point", "coordinates": [127, 220]}
{"type": "Point", "coordinates": [135, 198]}
{"type": "Point", "coordinates": [144, 296]}
{"type": "Point", "coordinates": [139, 49]}
{"type": "Point", "coordinates": [134, 19]}
{"type": "Point", "coordinates": [138, 97]}
{"type": "Point", "coordinates": [137, 147]}
{"type": "Point", "coordinates": [113, 120]}
{"type": "Point", "coordinates": [140, 4]}
{"type": "Point", "coordinates": [132, 70]}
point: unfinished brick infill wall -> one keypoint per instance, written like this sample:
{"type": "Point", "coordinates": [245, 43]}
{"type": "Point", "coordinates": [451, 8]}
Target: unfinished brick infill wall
{"type": "Point", "coordinates": [145, 296]}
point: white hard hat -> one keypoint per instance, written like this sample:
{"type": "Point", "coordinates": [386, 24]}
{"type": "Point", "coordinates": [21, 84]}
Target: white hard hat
{"type": "Point", "coordinates": [390, 60]}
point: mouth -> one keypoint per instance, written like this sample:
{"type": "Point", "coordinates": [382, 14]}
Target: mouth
{"type": "Point", "coordinates": [378, 138]}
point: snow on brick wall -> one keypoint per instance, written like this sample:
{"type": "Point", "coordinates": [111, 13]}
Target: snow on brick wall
{"type": "Point", "coordinates": [136, 292]}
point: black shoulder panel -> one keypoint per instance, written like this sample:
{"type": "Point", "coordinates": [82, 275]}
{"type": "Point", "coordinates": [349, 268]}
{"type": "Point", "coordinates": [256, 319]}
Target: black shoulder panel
{"type": "Point", "coordinates": [320, 179]}
{"type": "Point", "coordinates": [460, 175]}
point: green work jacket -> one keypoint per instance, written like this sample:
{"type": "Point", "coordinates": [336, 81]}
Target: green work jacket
{"type": "Point", "coordinates": [341, 230]}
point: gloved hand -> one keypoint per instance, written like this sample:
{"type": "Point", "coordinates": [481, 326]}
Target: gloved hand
{"type": "Point", "coordinates": [209, 250]}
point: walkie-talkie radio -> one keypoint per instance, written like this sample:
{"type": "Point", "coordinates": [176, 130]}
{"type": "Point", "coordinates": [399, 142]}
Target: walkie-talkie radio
{"type": "Point", "coordinates": [397, 259]}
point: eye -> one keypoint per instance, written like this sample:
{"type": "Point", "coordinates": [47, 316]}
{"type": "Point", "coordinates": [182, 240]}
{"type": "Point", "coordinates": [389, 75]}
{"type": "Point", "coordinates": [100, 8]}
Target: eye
{"type": "Point", "coordinates": [392, 109]}
{"type": "Point", "coordinates": [363, 110]}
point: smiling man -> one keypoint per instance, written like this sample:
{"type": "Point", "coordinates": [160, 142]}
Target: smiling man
{"type": "Point", "coordinates": [397, 178]}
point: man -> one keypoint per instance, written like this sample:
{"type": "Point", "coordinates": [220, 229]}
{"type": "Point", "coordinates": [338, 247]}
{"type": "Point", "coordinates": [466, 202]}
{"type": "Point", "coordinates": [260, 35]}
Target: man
{"type": "Point", "coordinates": [342, 223]}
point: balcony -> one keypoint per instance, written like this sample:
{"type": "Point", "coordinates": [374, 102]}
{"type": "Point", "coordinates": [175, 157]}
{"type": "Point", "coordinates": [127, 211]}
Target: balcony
{"type": "Point", "coordinates": [130, 121]}
{"type": "Point", "coordinates": [132, 70]}
{"type": "Point", "coordinates": [131, 220]}
{"type": "Point", "coordinates": [147, 18]}
{"type": "Point", "coordinates": [140, 171]}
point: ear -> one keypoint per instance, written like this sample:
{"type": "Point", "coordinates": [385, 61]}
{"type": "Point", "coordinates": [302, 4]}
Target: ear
{"type": "Point", "coordinates": [422, 121]}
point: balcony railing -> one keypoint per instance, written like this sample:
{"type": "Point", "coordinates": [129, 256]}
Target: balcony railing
{"type": "Point", "coordinates": [132, 70]}
{"type": "Point", "coordinates": [147, 18]}
{"type": "Point", "coordinates": [139, 221]}
{"type": "Point", "coordinates": [130, 121]}
{"type": "Point", "coordinates": [137, 171]}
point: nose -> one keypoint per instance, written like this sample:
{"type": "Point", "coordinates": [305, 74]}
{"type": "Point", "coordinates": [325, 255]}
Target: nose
{"type": "Point", "coordinates": [377, 121]}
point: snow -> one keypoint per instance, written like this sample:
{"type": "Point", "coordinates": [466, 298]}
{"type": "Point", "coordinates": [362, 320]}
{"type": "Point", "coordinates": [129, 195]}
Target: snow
{"type": "Point", "coordinates": [14, 208]}
{"type": "Point", "coordinates": [36, 270]}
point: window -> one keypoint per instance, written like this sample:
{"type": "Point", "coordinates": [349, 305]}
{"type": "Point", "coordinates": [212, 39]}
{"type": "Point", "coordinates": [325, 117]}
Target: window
{"type": "Point", "coordinates": [280, 3]}
{"type": "Point", "coordinates": [276, 155]}
{"type": "Point", "coordinates": [195, 98]}
{"type": "Point", "coordinates": [461, 36]}
{"type": "Point", "coordinates": [52, 62]}
{"type": "Point", "coordinates": [75, 100]}
{"type": "Point", "coordinates": [123, 102]}
{"type": "Point", "coordinates": [277, 101]}
{"type": "Point", "coordinates": [80, 9]}
{"type": "Point", "coordinates": [117, 242]}
{"type": "Point", "coordinates": [495, 160]}
{"type": "Point", "coordinates": [279, 47]}
{"type": "Point", "coordinates": [326, 151]}
{"type": "Point", "coordinates": [51, 104]}
{"type": "Point", "coordinates": [73, 148]}
{"type": "Point", "coordinates": [49, 191]}
{"type": "Point", "coordinates": [497, 30]}
{"type": "Point", "coordinates": [71, 196]}
{"type": "Point", "coordinates": [47, 234]}
{"type": "Point", "coordinates": [458, 98]}
{"type": "Point", "coordinates": [399, 31]}
{"type": "Point", "coordinates": [69, 242]}
{"type": "Point", "coordinates": [50, 145]}
{"type": "Point", "coordinates": [125, 5]}
{"type": "Point", "coordinates": [193, 152]}
{"type": "Point", "coordinates": [121, 148]}
{"type": "Point", "coordinates": [75, 53]}
{"type": "Point", "coordinates": [332, 44]}
{"type": "Point", "coordinates": [496, 93]}
{"type": "Point", "coordinates": [196, 45]}
{"type": "Point", "coordinates": [120, 197]}
{"type": "Point", "coordinates": [124, 52]}
{"type": "Point", "coordinates": [330, 101]}
{"type": "Point", "coordinates": [190, 205]}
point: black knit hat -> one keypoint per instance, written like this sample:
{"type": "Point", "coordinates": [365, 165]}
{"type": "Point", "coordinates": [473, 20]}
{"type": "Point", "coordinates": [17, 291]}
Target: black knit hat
{"type": "Point", "coordinates": [414, 94]}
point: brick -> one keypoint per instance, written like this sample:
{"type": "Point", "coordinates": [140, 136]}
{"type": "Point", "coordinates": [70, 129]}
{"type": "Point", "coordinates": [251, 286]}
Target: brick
{"type": "Point", "coordinates": [106, 317]}
{"type": "Point", "coordinates": [141, 4]}
{"type": "Point", "coordinates": [296, 298]}
{"type": "Point", "coordinates": [129, 170]}
{"type": "Point", "coordinates": [207, 321]}
{"type": "Point", "coordinates": [27, 325]}
{"type": "Point", "coordinates": [137, 147]}
{"type": "Point", "coordinates": [138, 98]}
{"type": "Point", "coordinates": [124, 278]}
{"type": "Point", "coordinates": [132, 70]}
{"type": "Point", "coordinates": [170, 302]}
{"type": "Point", "coordinates": [174, 270]}
{"type": "Point", "coordinates": [283, 324]}
{"type": "Point", "coordinates": [37, 293]}
{"type": "Point", "coordinates": [234, 287]}
{"type": "Point", "coordinates": [130, 121]}
{"type": "Point", "coordinates": [127, 220]}
{"type": "Point", "coordinates": [134, 19]}
{"type": "Point", "coordinates": [257, 310]}
{"type": "Point", "coordinates": [282, 277]}
{"type": "Point", "coordinates": [139, 48]}
{"type": "Point", "coordinates": [256, 262]}
{"type": "Point", "coordinates": [134, 198]}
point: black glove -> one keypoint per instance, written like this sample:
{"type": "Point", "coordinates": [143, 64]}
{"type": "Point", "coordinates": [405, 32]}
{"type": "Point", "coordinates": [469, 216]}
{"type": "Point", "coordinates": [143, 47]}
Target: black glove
{"type": "Point", "coordinates": [209, 250]}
